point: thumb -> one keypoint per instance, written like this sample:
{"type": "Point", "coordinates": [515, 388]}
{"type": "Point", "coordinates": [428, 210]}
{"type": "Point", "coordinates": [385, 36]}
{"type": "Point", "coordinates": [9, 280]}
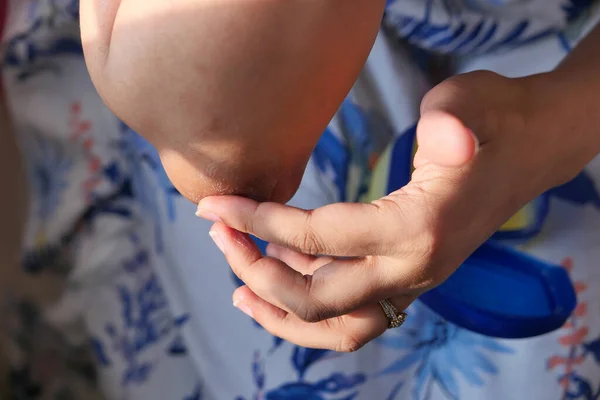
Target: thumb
{"type": "Point", "coordinates": [444, 140]}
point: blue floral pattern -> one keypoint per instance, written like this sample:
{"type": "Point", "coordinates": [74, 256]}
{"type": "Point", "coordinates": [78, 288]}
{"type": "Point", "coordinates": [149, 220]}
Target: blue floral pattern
{"type": "Point", "coordinates": [50, 171]}
{"type": "Point", "coordinates": [148, 330]}
{"type": "Point", "coordinates": [337, 386]}
{"type": "Point", "coordinates": [145, 321]}
{"type": "Point", "coordinates": [462, 28]}
{"type": "Point", "coordinates": [31, 53]}
{"type": "Point", "coordinates": [436, 351]}
{"type": "Point", "coordinates": [580, 191]}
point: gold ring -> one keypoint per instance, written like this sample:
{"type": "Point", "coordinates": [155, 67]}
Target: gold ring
{"type": "Point", "coordinates": [396, 318]}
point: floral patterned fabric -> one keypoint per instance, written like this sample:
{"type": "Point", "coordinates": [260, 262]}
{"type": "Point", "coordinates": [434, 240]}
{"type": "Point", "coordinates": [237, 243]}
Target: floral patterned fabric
{"type": "Point", "coordinates": [145, 309]}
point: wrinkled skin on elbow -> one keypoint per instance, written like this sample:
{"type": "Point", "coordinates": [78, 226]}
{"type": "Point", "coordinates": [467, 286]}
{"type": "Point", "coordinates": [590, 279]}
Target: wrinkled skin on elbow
{"type": "Point", "coordinates": [234, 94]}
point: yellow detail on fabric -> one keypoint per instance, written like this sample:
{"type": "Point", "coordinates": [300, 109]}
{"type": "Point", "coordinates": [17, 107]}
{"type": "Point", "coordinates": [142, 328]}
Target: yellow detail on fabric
{"type": "Point", "coordinates": [379, 177]}
{"type": "Point", "coordinates": [379, 183]}
{"type": "Point", "coordinates": [521, 220]}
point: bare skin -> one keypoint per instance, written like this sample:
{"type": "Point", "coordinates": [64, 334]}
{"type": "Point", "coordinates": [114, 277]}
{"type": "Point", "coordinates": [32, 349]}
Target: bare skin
{"type": "Point", "coordinates": [234, 94]}
{"type": "Point", "coordinates": [533, 133]}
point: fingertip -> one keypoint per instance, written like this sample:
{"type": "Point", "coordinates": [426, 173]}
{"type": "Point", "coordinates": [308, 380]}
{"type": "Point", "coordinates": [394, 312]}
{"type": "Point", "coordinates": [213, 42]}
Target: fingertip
{"type": "Point", "coordinates": [218, 227]}
{"type": "Point", "coordinates": [250, 304]}
{"type": "Point", "coordinates": [237, 246]}
{"type": "Point", "coordinates": [444, 140]}
{"type": "Point", "coordinates": [240, 301]}
{"type": "Point", "coordinates": [273, 250]}
{"type": "Point", "coordinates": [242, 294]}
{"type": "Point", "coordinates": [221, 230]}
{"type": "Point", "coordinates": [245, 295]}
{"type": "Point", "coordinates": [419, 160]}
{"type": "Point", "coordinates": [218, 208]}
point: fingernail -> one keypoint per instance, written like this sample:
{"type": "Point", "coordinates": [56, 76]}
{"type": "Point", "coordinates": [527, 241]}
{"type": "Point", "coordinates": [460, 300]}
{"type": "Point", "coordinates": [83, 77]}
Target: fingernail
{"type": "Point", "coordinates": [243, 308]}
{"type": "Point", "coordinates": [218, 241]}
{"type": "Point", "coordinates": [273, 251]}
{"type": "Point", "coordinates": [475, 140]}
{"type": "Point", "coordinates": [202, 213]}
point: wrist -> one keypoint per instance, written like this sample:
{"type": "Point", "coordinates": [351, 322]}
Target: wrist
{"type": "Point", "coordinates": [564, 117]}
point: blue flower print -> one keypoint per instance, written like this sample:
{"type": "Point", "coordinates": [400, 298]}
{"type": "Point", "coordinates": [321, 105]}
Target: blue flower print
{"type": "Point", "coordinates": [583, 387]}
{"type": "Point", "coordinates": [333, 387]}
{"type": "Point", "coordinates": [593, 348]}
{"type": "Point", "coordinates": [196, 394]}
{"type": "Point", "coordinates": [345, 162]}
{"type": "Point", "coordinates": [366, 133]}
{"type": "Point", "coordinates": [303, 358]}
{"type": "Point", "coordinates": [50, 168]}
{"type": "Point", "coordinates": [579, 191]}
{"type": "Point", "coordinates": [53, 32]}
{"type": "Point", "coordinates": [331, 158]}
{"type": "Point", "coordinates": [337, 386]}
{"type": "Point", "coordinates": [143, 152]}
{"type": "Point", "coordinates": [145, 321]}
{"type": "Point", "coordinates": [470, 26]}
{"type": "Point", "coordinates": [574, 8]}
{"type": "Point", "coordinates": [438, 350]}
{"type": "Point", "coordinates": [139, 154]}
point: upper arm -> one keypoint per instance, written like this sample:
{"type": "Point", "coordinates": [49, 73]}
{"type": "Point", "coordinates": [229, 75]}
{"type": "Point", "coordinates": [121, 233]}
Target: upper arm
{"type": "Point", "coordinates": [228, 87]}
{"type": "Point", "coordinates": [226, 51]}
{"type": "Point", "coordinates": [97, 18]}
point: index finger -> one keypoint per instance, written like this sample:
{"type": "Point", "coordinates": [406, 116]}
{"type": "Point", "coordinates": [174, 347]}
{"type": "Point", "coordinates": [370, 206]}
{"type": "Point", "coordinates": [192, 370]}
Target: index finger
{"type": "Point", "coordinates": [336, 289]}
{"type": "Point", "coordinates": [341, 229]}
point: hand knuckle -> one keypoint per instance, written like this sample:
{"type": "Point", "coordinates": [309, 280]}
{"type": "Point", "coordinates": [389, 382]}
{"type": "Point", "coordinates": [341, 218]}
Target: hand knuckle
{"type": "Point", "coordinates": [308, 240]}
{"type": "Point", "coordinates": [240, 272]}
{"type": "Point", "coordinates": [254, 217]}
{"type": "Point", "coordinates": [387, 209]}
{"type": "Point", "coordinates": [349, 344]}
{"type": "Point", "coordinates": [426, 233]}
{"type": "Point", "coordinates": [440, 95]}
{"type": "Point", "coordinates": [309, 313]}
{"type": "Point", "coordinates": [310, 309]}
{"type": "Point", "coordinates": [428, 254]}
{"type": "Point", "coordinates": [272, 329]}
{"type": "Point", "coordinates": [431, 244]}
{"type": "Point", "coordinates": [264, 277]}
{"type": "Point", "coordinates": [310, 243]}
{"type": "Point", "coordinates": [313, 316]}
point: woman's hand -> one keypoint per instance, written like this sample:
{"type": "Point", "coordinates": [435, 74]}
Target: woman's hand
{"type": "Point", "coordinates": [234, 94]}
{"type": "Point", "coordinates": [328, 268]}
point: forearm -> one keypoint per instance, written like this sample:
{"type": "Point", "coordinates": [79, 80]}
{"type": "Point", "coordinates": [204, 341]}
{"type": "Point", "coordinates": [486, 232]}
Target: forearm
{"type": "Point", "coordinates": [566, 102]}
{"type": "Point", "coordinates": [223, 87]}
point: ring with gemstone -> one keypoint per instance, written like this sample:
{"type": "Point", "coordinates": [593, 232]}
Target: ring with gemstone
{"type": "Point", "coordinates": [396, 318]}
